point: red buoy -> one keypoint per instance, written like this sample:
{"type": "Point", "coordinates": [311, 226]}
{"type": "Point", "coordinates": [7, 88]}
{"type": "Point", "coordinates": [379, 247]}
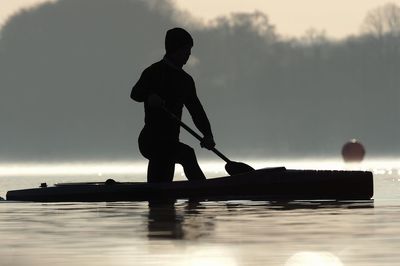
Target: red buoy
{"type": "Point", "coordinates": [353, 151]}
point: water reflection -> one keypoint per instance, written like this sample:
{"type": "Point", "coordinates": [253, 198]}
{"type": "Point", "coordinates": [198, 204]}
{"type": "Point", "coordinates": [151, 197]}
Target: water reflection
{"type": "Point", "coordinates": [210, 257]}
{"type": "Point", "coordinates": [303, 204]}
{"type": "Point", "coordinates": [225, 233]}
{"type": "Point", "coordinates": [168, 220]}
{"type": "Point", "coordinates": [165, 221]}
{"type": "Point", "coordinates": [314, 259]}
{"type": "Point", "coordinates": [318, 204]}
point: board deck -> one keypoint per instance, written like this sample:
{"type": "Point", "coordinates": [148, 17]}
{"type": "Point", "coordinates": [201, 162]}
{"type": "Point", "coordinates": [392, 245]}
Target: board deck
{"type": "Point", "coordinates": [261, 184]}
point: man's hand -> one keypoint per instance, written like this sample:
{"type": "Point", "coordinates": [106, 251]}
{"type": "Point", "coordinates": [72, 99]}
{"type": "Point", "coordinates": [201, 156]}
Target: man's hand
{"type": "Point", "coordinates": [155, 101]}
{"type": "Point", "coordinates": [207, 142]}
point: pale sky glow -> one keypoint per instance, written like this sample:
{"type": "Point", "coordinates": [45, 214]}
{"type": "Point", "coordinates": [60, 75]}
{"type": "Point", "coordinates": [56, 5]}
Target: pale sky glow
{"type": "Point", "coordinates": [338, 18]}
{"type": "Point", "coordinates": [10, 7]}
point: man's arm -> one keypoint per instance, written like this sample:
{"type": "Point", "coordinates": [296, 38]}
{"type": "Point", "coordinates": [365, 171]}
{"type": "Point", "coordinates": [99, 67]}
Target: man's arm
{"type": "Point", "coordinates": [141, 90]}
{"type": "Point", "coordinates": [200, 119]}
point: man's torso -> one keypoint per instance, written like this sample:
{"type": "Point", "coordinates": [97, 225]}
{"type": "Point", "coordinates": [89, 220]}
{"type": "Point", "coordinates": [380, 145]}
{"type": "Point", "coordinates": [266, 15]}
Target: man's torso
{"type": "Point", "coordinates": [175, 87]}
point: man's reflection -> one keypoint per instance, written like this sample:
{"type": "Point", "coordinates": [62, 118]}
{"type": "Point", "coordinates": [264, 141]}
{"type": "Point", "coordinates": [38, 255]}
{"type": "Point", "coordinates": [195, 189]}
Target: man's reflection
{"type": "Point", "coordinates": [169, 220]}
{"type": "Point", "coordinates": [191, 220]}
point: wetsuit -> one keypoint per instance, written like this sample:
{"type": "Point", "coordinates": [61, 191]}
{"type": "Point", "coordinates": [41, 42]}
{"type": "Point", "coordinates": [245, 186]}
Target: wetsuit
{"type": "Point", "coordinates": [159, 139]}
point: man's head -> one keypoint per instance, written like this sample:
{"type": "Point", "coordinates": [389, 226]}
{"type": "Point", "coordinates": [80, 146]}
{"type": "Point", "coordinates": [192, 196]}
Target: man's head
{"type": "Point", "coordinates": [178, 45]}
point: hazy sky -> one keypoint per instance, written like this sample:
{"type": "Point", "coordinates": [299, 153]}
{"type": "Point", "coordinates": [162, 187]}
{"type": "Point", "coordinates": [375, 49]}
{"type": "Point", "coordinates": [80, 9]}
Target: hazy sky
{"type": "Point", "coordinates": [339, 18]}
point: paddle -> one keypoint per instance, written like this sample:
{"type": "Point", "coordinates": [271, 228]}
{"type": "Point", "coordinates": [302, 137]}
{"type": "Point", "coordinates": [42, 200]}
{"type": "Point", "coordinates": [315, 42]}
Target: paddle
{"type": "Point", "coordinates": [231, 167]}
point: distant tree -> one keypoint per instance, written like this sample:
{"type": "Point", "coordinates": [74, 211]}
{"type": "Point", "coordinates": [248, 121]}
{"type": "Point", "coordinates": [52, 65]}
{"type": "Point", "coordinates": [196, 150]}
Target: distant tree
{"type": "Point", "coordinates": [314, 37]}
{"type": "Point", "coordinates": [383, 20]}
{"type": "Point", "coordinates": [257, 22]}
{"type": "Point", "coordinates": [382, 27]}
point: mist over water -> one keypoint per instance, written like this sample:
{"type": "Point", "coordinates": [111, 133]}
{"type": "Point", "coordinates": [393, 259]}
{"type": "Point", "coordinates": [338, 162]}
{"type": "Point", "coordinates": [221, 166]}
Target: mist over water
{"type": "Point", "coordinates": [99, 168]}
{"type": "Point", "coordinates": [27, 175]}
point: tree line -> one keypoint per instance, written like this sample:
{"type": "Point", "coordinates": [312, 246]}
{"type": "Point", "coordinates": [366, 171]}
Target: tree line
{"type": "Point", "coordinates": [68, 66]}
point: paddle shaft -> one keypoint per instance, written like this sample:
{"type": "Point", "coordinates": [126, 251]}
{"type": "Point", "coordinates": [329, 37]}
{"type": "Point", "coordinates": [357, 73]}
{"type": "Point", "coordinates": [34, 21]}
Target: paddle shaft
{"type": "Point", "coordinates": [194, 134]}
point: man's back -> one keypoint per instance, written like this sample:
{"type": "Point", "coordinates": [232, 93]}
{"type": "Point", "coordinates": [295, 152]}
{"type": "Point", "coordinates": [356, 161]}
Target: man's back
{"type": "Point", "coordinates": [174, 86]}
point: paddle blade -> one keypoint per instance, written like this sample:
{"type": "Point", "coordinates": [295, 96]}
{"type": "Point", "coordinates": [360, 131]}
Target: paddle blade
{"type": "Point", "coordinates": [235, 168]}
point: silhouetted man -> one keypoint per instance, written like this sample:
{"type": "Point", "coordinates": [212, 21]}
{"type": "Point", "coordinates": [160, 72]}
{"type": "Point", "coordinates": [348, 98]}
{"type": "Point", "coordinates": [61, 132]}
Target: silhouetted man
{"type": "Point", "coordinates": [166, 85]}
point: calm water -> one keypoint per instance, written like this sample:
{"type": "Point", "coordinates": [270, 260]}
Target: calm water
{"type": "Point", "coordinates": [197, 233]}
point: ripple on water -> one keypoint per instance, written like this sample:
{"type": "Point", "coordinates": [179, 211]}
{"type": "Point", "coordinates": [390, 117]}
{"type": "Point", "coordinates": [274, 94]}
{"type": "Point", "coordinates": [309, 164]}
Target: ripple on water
{"type": "Point", "coordinates": [201, 233]}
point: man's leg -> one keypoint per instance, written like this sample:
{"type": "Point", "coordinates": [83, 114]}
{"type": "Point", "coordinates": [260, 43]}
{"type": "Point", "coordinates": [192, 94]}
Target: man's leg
{"type": "Point", "coordinates": [187, 158]}
{"type": "Point", "coordinates": [160, 170]}
{"type": "Point", "coordinates": [161, 165]}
